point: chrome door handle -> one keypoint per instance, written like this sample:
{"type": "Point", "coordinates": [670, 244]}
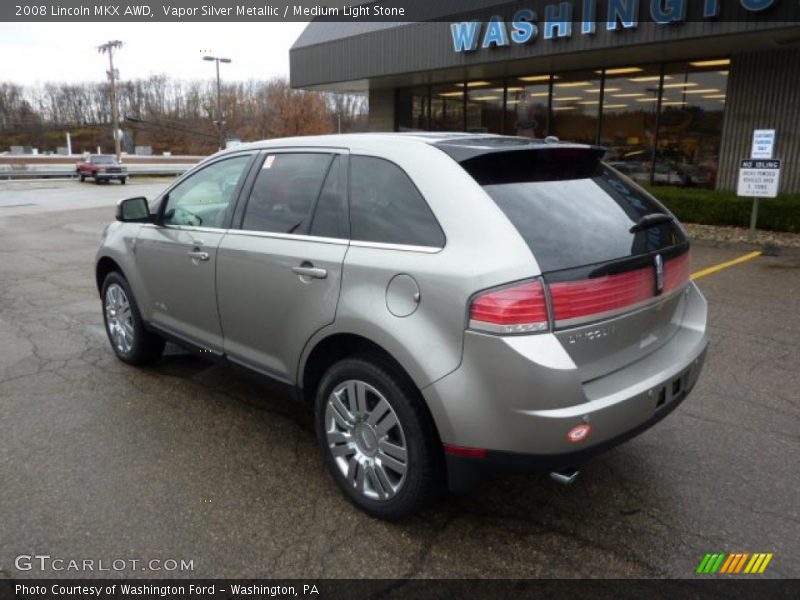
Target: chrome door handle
{"type": "Point", "coordinates": [199, 255]}
{"type": "Point", "coordinates": [314, 272]}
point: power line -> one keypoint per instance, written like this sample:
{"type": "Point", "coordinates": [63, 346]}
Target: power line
{"type": "Point", "coordinates": [163, 125]}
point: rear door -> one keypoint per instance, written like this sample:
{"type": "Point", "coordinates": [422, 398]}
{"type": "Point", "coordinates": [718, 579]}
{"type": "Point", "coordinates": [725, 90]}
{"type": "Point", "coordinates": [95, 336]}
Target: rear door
{"type": "Point", "coordinates": [279, 272]}
{"type": "Point", "coordinates": [614, 259]}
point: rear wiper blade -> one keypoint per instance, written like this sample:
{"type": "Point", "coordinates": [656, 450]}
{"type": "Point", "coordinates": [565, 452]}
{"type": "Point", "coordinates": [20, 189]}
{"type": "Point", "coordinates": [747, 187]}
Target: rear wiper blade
{"type": "Point", "coordinates": [651, 220]}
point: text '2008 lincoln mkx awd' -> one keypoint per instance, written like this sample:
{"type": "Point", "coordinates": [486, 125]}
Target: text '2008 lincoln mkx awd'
{"type": "Point", "coordinates": [451, 305]}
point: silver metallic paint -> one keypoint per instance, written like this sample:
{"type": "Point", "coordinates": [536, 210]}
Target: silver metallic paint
{"type": "Point", "coordinates": [513, 393]}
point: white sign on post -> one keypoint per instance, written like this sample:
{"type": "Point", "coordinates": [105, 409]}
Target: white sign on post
{"type": "Point", "coordinates": [763, 144]}
{"type": "Point", "coordinates": [759, 178]}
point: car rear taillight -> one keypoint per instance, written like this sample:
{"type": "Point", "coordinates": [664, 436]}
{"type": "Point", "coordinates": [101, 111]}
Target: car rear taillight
{"type": "Point", "coordinates": [677, 272]}
{"type": "Point", "coordinates": [594, 297]}
{"type": "Point", "coordinates": [519, 308]}
{"type": "Point", "coordinates": [522, 308]}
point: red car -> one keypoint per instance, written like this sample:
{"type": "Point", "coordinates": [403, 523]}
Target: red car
{"type": "Point", "coordinates": [101, 167]}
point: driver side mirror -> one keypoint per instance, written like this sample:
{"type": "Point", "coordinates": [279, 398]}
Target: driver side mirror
{"type": "Point", "coordinates": [134, 210]}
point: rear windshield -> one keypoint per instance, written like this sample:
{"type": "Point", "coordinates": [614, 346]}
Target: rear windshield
{"type": "Point", "coordinates": [571, 209]}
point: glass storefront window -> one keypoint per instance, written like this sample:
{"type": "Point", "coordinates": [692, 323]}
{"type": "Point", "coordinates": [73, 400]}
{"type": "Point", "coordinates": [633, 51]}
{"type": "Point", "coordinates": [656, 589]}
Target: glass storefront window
{"type": "Point", "coordinates": [447, 107]}
{"type": "Point", "coordinates": [690, 123]}
{"type": "Point", "coordinates": [575, 106]}
{"type": "Point", "coordinates": [485, 106]}
{"type": "Point", "coordinates": [677, 146]}
{"type": "Point", "coordinates": [527, 106]}
{"type": "Point", "coordinates": [413, 109]}
{"type": "Point", "coordinates": [628, 129]}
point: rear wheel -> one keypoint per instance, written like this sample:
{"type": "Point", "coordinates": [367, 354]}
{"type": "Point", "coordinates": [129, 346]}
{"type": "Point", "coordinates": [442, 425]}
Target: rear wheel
{"type": "Point", "coordinates": [131, 342]}
{"type": "Point", "coordinates": [122, 180]}
{"type": "Point", "coordinates": [83, 177]}
{"type": "Point", "coordinates": [379, 442]}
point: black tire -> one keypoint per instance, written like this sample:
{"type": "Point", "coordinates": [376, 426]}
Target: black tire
{"type": "Point", "coordinates": [146, 347]}
{"type": "Point", "coordinates": [97, 181]}
{"type": "Point", "coordinates": [424, 478]}
{"type": "Point", "coordinates": [83, 177]}
{"type": "Point", "coordinates": [122, 180]}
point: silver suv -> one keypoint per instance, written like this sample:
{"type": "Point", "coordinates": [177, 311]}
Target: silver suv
{"type": "Point", "coordinates": [451, 305]}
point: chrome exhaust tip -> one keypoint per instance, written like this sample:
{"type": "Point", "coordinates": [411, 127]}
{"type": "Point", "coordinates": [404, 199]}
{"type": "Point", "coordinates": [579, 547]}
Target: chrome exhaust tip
{"type": "Point", "coordinates": [564, 476]}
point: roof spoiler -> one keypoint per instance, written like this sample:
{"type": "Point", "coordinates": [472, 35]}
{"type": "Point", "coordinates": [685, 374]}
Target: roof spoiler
{"type": "Point", "coordinates": [468, 148]}
{"type": "Point", "coordinates": [540, 162]}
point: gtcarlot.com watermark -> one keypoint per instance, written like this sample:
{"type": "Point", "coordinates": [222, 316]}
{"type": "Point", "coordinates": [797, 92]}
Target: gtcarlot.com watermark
{"type": "Point", "coordinates": [46, 563]}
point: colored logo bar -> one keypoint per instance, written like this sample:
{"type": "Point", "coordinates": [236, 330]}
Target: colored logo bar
{"type": "Point", "coordinates": [734, 563]}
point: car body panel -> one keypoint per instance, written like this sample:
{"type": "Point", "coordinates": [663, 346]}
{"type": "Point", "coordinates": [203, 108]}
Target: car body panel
{"type": "Point", "coordinates": [607, 345]}
{"type": "Point", "coordinates": [268, 312]}
{"type": "Point", "coordinates": [179, 290]}
{"type": "Point", "coordinates": [541, 394]}
{"type": "Point", "coordinates": [504, 393]}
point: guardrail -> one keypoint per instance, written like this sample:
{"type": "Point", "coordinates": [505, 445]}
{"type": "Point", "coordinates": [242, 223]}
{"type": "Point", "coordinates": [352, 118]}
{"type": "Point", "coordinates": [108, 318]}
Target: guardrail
{"type": "Point", "coordinates": [70, 173]}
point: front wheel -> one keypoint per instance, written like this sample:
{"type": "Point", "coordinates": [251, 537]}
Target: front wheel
{"type": "Point", "coordinates": [378, 440]}
{"type": "Point", "coordinates": [122, 180]}
{"type": "Point", "coordinates": [131, 342]}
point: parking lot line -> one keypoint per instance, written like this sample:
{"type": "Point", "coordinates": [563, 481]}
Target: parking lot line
{"type": "Point", "coordinates": [725, 265]}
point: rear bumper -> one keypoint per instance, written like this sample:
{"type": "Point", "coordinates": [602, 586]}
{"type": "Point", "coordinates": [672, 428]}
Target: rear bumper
{"type": "Point", "coordinates": [464, 473]}
{"type": "Point", "coordinates": [519, 397]}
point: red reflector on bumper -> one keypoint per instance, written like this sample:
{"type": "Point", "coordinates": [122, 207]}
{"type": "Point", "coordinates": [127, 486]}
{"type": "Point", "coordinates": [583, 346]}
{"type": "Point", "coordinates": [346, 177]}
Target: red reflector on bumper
{"type": "Point", "coordinates": [579, 433]}
{"type": "Point", "coordinates": [462, 451]}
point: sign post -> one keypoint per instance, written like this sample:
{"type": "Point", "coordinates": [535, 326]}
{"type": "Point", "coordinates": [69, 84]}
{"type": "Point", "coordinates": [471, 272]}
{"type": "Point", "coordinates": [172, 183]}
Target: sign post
{"type": "Point", "coordinates": [760, 176]}
{"type": "Point", "coordinates": [758, 179]}
{"type": "Point", "coordinates": [753, 220]}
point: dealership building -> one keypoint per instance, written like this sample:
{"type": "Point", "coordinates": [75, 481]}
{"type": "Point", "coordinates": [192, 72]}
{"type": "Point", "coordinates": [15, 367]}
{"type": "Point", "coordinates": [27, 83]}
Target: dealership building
{"type": "Point", "coordinates": [673, 88]}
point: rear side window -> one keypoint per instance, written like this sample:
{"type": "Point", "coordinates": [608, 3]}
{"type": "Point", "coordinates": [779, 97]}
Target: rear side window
{"type": "Point", "coordinates": [386, 207]}
{"type": "Point", "coordinates": [285, 192]}
{"type": "Point", "coordinates": [571, 209]}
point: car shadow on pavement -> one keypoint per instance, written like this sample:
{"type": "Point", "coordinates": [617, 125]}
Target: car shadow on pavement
{"type": "Point", "coordinates": [612, 494]}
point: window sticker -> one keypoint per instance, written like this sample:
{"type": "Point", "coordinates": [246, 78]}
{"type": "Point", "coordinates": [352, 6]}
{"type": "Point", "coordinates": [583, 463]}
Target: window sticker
{"type": "Point", "coordinates": [269, 161]}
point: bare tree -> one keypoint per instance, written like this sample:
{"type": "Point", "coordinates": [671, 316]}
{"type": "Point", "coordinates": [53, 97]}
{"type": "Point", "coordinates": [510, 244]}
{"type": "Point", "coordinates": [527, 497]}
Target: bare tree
{"type": "Point", "coordinates": [169, 114]}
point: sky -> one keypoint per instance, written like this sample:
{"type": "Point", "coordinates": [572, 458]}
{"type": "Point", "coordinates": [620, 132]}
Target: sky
{"type": "Point", "coordinates": [42, 52]}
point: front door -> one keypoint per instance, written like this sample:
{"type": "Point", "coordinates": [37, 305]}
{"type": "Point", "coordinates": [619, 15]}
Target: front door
{"type": "Point", "coordinates": [279, 274]}
{"type": "Point", "coordinates": [177, 257]}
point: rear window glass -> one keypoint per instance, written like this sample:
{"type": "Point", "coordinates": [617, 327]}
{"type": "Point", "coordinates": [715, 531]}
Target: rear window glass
{"type": "Point", "coordinates": [572, 210]}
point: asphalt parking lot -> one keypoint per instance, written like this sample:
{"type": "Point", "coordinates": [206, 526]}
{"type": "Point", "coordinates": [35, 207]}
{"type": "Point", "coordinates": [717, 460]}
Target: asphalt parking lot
{"type": "Point", "coordinates": [194, 461]}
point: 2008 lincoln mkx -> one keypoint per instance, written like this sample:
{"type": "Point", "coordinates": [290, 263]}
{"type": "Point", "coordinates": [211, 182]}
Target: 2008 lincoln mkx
{"type": "Point", "coordinates": [421, 292]}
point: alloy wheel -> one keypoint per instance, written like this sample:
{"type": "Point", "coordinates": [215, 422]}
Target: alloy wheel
{"type": "Point", "coordinates": [366, 440]}
{"type": "Point", "coordinates": [119, 318]}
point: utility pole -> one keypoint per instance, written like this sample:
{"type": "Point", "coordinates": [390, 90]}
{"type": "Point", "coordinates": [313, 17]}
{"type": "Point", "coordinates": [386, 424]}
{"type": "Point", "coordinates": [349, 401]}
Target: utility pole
{"type": "Point", "coordinates": [220, 122]}
{"type": "Point", "coordinates": [108, 48]}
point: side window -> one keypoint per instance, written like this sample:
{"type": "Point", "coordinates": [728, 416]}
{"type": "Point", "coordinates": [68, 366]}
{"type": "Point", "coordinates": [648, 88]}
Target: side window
{"type": "Point", "coordinates": [202, 200]}
{"type": "Point", "coordinates": [285, 191]}
{"type": "Point", "coordinates": [386, 207]}
{"type": "Point", "coordinates": [330, 216]}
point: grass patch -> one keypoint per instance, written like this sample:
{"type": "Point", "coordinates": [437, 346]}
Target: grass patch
{"type": "Point", "coordinates": [712, 207]}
